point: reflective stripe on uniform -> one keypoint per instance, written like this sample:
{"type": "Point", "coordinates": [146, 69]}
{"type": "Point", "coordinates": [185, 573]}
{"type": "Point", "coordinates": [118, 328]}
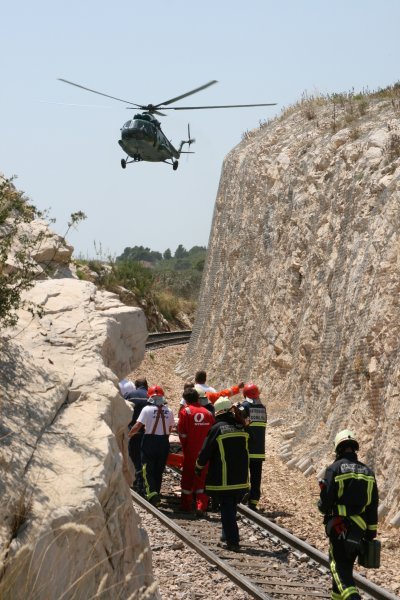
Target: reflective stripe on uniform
{"type": "Point", "coordinates": [257, 424]}
{"type": "Point", "coordinates": [262, 456]}
{"type": "Point", "coordinates": [341, 510]}
{"type": "Point", "coordinates": [221, 488]}
{"type": "Point", "coordinates": [334, 572]}
{"type": "Point", "coordinates": [347, 592]}
{"type": "Point", "coordinates": [359, 521]}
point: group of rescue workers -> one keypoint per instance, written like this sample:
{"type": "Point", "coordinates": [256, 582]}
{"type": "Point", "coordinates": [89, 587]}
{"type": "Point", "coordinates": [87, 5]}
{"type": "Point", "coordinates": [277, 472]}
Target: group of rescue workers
{"type": "Point", "coordinates": [223, 449]}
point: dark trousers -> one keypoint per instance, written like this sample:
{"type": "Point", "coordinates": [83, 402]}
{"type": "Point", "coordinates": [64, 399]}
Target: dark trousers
{"type": "Point", "coordinates": [255, 480]}
{"type": "Point", "coordinates": [228, 502]}
{"type": "Point", "coordinates": [155, 449]}
{"type": "Point", "coordinates": [135, 454]}
{"type": "Point", "coordinates": [341, 563]}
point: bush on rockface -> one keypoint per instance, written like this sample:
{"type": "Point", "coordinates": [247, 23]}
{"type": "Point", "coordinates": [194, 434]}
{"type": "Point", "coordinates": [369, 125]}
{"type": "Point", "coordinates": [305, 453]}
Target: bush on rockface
{"type": "Point", "coordinates": [18, 269]}
{"type": "Point", "coordinates": [14, 210]}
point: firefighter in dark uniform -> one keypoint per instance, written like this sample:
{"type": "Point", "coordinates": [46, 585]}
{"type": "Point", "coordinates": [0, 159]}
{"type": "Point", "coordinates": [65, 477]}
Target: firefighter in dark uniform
{"type": "Point", "coordinates": [139, 399]}
{"type": "Point", "coordinates": [255, 415]}
{"type": "Point", "coordinates": [225, 450]}
{"type": "Point", "coordinates": [349, 501]}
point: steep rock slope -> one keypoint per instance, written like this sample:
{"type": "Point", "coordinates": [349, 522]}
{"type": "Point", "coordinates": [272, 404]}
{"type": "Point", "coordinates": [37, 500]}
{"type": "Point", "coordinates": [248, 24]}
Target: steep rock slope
{"type": "Point", "coordinates": [67, 524]}
{"type": "Point", "coordinates": [301, 285]}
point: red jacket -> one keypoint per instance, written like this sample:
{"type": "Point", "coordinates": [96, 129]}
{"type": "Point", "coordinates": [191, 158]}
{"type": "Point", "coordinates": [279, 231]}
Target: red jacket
{"type": "Point", "coordinates": [193, 425]}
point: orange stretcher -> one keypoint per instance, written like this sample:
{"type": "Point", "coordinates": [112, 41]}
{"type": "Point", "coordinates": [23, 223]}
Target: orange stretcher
{"type": "Point", "coordinates": [175, 456]}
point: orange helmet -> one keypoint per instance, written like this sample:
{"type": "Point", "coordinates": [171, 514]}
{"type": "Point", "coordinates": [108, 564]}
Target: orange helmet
{"type": "Point", "coordinates": [155, 390]}
{"type": "Point", "coordinates": [251, 391]}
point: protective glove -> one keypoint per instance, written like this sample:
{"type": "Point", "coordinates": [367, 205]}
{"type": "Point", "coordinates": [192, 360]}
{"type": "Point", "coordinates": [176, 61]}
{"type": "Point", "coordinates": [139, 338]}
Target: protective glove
{"type": "Point", "coordinates": [198, 470]}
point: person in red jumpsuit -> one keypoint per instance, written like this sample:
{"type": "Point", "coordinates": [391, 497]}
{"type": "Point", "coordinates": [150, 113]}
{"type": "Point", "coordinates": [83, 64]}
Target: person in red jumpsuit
{"type": "Point", "coordinates": [193, 425]}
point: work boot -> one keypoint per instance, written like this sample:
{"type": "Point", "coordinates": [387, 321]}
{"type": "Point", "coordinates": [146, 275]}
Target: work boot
{"type": "Point", "coordinates": [155, 500]}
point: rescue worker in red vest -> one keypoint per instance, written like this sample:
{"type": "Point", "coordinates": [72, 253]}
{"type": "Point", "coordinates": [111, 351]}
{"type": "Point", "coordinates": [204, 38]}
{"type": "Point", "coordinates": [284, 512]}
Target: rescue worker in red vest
{"type": "Point", "coordinates": [349, 501]}
{"type": "Point", "coordinates": [158, 422]}
{"type": "Point", "coordinates": [225, 450]}
{"type": "Point", "coordinates": [208, 398]}
{"type": "Point", "coordinates": [255, 415]}
{"type": "Point", "coordinates": [193, 426]}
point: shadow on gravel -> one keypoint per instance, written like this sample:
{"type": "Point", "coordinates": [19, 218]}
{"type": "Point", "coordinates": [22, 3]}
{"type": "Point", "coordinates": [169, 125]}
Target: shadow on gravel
{"type": "Point", "coordinates": [281, 554]}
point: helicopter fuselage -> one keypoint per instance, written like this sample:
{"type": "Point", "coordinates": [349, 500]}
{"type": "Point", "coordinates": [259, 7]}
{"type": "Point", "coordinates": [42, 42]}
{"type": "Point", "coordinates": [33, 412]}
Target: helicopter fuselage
{"type": "Point", "coordinates": [143, 139]}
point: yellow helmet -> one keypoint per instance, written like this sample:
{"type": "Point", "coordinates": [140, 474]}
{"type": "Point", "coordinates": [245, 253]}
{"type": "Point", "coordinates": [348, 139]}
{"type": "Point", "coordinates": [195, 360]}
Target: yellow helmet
{"type": "Point", "coordinates": [346, 436]}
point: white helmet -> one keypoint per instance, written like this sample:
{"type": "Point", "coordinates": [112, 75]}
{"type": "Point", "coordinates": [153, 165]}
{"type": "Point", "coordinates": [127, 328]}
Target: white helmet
{"type": "Point", "coordinates": [222, 405]}
{"type": "Point", "coordinates": [346, 437]}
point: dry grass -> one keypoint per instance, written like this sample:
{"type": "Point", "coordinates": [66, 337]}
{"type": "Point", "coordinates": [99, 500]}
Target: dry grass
{"type": "Point", "coordinates": [24, 574]}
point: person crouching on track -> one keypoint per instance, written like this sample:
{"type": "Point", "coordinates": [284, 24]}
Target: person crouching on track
{"type": "Point", "coordinates": [349, 501]}
{"type": "Point", "coordinates": [158, 421]}
{"type": "Point", "coordinates": [193, 426]}
{"type": "Point", "coordinates": [255, 415]}
{"type": "Point", "coordinates": [225, 449]}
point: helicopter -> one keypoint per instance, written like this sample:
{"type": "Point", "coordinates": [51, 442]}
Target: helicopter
{"type": "Point", "coordinates": [142, 138]}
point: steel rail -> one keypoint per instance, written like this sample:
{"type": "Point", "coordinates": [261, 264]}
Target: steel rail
{"type": "Point", "coordinates": [367, 586]}
{"type": "Point", "coordinates": [168, 338]}
{"type": "Point", "coordinates": [240, 580]}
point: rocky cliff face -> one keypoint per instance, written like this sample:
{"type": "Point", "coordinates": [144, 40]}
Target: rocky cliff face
{"type": "Point", "coordinates": [67, 524]}
{"type": "Point", "coordinates": [301, 286]}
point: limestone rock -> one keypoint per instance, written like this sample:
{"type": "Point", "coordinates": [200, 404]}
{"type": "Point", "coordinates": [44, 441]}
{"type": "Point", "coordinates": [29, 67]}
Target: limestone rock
{"type": "Point", "coordinates": [67, 520]}
{"type": "Point", "coordinates": [301, 287]}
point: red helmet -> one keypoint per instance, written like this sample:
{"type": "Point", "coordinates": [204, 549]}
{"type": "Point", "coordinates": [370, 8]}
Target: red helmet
{"type": "Point", "coordinates": [155, 390]}
{"type": "Point", "coordinates": [250, 390]}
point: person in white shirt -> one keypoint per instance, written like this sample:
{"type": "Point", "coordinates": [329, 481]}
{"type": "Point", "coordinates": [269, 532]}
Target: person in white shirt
{"type": "Point", "coordinates": [200, 379]}
{"type": "Point", "coordinates": [158, 421]}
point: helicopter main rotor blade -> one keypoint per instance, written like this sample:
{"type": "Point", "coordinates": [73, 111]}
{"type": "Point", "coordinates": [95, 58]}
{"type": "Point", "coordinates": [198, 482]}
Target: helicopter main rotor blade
{"type": "Point", "coordinates": [218, 106]}
{"type": "Point", "coordinates": [202, 87]}
{"type": "Point", "coordinates": [100, 93]}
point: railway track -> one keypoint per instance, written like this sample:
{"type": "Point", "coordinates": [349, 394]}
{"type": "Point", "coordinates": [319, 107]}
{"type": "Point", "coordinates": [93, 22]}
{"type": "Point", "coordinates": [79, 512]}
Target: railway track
{"type": "Point", "coordinates": [272, 563]}
{"type": "Point", "coordinates": [167, 338]}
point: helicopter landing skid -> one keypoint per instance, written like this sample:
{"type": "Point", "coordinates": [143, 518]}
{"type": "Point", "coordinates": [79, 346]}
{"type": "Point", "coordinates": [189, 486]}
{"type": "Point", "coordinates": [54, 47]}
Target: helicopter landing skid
{"type": "Point", "coordinates": [125, 162]}
{"type": "Point", "coordinates": [174, 163]}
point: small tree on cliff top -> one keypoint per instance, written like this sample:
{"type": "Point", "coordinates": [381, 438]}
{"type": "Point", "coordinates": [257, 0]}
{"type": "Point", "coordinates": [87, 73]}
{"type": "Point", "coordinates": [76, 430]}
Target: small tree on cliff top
{"type": "Point", "coordinates": [15, 209]}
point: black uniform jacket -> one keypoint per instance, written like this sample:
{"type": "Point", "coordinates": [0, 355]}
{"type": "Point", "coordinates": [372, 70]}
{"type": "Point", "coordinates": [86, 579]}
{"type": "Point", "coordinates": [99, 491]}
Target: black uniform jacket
{"type": "Point", "coordinates": [351, 491]}
{"type": "Point", "coordinates": [226, 450]}
{"type": "Point", "coordinates": [257, 413]}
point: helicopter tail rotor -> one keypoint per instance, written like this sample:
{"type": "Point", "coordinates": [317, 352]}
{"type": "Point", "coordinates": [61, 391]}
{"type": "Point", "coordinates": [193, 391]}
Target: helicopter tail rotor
{"type": "Point", "coordinates": [189, 142]}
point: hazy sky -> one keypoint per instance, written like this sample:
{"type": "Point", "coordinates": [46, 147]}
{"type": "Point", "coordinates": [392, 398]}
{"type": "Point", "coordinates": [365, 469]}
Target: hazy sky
{"type": "Point", "coordinates": [67, 157]}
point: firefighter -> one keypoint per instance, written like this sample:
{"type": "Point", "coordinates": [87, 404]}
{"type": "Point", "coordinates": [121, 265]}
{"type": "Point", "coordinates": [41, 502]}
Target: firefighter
{"type": "Point", "coordinates": [225, 450]}
{"type": "Point", "coordinates": [208, 398]}
{"type": "Point", "coordinates": [349, 501]}
{"type": "Point", "coordinates": [193, 426]}
{"type": "Point", "coordinates": [255, 415]}
{"type": "Point", "coordinates": [138, 397]}
{"type": "Point", "coordinates": [157, 420]}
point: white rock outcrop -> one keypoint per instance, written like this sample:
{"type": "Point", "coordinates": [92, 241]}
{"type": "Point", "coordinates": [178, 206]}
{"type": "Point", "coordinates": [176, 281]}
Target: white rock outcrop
{"type": "Point", "coordinates": [301, 285]}
{"type": "Point", "coordinates": [67, 524]}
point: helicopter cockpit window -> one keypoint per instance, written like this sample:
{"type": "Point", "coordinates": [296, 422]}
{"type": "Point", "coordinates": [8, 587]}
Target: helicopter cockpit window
{"type": "Point", "coordinates": [126, 125]}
